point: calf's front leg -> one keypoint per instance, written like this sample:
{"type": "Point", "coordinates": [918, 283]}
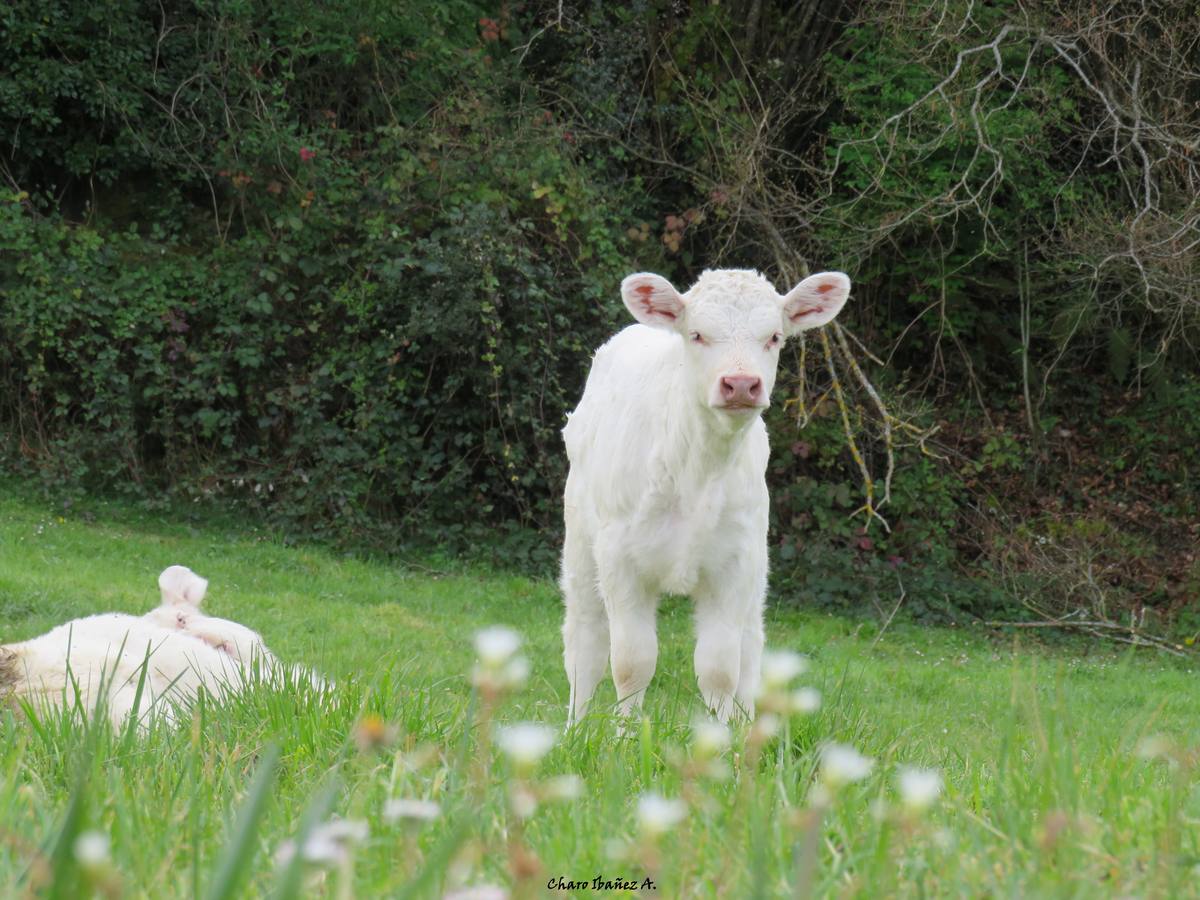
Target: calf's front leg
{"type": "Point", "coordinates": [729, 640]}
{"type": "Point", "coordinates": [751, 662]}
{"type": "Point", "coordinates": [633, 640]}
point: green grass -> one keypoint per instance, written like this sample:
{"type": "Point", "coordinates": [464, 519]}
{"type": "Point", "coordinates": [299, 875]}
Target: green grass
{"type": "Point", "coordinates": [1045, 794]}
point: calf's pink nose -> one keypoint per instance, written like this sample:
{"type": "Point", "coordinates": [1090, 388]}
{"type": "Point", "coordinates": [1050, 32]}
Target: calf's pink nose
{"type": "Point", "coordinates": [736, 389]}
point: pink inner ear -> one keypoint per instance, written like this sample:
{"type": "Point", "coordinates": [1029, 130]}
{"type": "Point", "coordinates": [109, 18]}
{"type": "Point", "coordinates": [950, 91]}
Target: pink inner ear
{"type": "Point", "coordinates": [804, 312]}
{"type": "Point", "coordinates": [653, 311]}
{"type": "Point", "coordinates": [647, 292]}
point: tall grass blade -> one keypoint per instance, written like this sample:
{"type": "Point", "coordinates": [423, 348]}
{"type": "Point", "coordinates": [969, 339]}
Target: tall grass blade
{"type": "Point", "coordinates": [235, 858]}
{"type": "Point", "coordinates": [289, 880]}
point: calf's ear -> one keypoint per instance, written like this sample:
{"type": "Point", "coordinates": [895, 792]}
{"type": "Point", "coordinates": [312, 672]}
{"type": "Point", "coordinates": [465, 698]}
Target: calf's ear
{"type": "Point", "coordinates": [652, 300]}
{"type": "Point", "coordinates": [815, 301]}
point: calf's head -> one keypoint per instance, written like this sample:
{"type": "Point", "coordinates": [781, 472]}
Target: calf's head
{"type": "Point", "coordinates": [733, 324]}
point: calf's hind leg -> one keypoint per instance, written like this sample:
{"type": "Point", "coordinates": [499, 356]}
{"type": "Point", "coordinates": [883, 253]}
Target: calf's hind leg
{"type": "Point", "coordinates": [585, 627]}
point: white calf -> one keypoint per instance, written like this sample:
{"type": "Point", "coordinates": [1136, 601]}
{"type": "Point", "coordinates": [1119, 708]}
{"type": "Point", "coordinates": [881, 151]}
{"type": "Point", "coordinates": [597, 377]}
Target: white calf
{"type": "Point", "coordinates": [99, 660]}
{"type": "Point", "coordinates": [667, 490]}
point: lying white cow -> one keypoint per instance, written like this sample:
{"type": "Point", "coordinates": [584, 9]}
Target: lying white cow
{"type": "Point", "coordinates": [98, 660]}
{"type": "Point", "coordinates": [182, 592]}
{"type": "Point", "coordinates": [667, 490]}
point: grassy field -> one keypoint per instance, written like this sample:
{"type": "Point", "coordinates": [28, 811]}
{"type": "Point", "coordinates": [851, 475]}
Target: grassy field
{"type": "Point", "coordinates": [1052, 782]}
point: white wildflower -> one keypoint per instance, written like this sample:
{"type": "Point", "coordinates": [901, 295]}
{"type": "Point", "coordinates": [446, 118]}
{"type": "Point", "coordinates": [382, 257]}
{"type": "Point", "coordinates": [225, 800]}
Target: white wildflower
{"type": "Point", "coordinates": [327, 845]}
{"type": "Point", "coordinates": [285, 852]}
{"type": "Point", "coordinates": [617, 850]}
{"type": "Point", "coordinates": [819, 795]}
{"type": "Point", "coordinates": [526, 743]}
{"type": "Point", "coordinates": [496, 645]}
{"type": "Point", "coordinates": [515, 673]}
{"type": "Point", "coordinates": [499, 667]}
{"type": "Point", "coordinates": [806, 700]}
{"type": "Point", "coordinates": [919, 788]}
{"type": "Point", "coordinates": [766, 726]}
{"type": "Point", "coordinates": [779, 667]}
{"type": "Point", "coordinates": [1154, 746]}
{"type": "Point", "coordinates": [478, 892]}
{"type": "Point", "coordinates": [564, 787]}
{"type": "Point", "coordinates": [91, 849]}
{"type": "Point", "coordinates": [944, 839]}
{"type": "Point", "coordinates": [842, 764]}
{"type": "Point", "coordinates": [522, 800]}
{"type": "Point", "coordinates": [657, 815]}
{"type": "Point", "coordinates": [709, 738]}
{"type": "Point", "coordinates": [413, 810]}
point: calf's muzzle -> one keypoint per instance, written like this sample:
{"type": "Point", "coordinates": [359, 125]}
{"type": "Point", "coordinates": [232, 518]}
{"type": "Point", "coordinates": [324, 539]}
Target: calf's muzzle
{"type": "Point", "coordinates": [741, 390]}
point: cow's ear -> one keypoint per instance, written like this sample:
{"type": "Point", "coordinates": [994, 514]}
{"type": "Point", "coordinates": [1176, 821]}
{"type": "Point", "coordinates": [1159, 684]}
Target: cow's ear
{"type": "Point", "coordinates": [815, 301]}
{"type": "Point", "coordinates": [653, 300]}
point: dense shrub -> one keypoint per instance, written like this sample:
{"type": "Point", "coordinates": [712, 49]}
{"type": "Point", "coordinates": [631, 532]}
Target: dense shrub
{"type": "Point", "coordinates": [381, 320]}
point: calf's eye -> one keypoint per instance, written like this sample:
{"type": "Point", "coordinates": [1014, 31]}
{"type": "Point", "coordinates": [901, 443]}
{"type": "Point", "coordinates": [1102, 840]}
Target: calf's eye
{"type": "Point", "coordinates": [775, 339]}
{"type": "Point", "coordinates": [697, 337]}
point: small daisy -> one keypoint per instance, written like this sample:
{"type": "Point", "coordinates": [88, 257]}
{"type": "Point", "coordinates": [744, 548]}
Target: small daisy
{"type": "Point", "coordinates": [327, 845]}
{"type": "Point", "coordinates": [1154, 746]}
{"type": "Point", "coordinates": [411, 810]}
{"type": "Point", "coordinates": [496, 645]}
{"type": "Point", "coordinates": [779, 667]}
{"type": "Point", "coordinates": [478, 892]}
{"type": "Point", "coordinates": [657, 815]}
{"type": "Point", "coordinates": [526, 743]}
{"type": "Point", "coordinates": [842, 764]}
{"type": "Point", "coordinates": [522, 800]}
{"type": "Point", "coordinates": [806, 700]}
{"type": "Point", "coordinates": [709, 738]}
{"type": "Point", "coordinates": [563, 787]}
{"type": "Point", "coordinates": [515, 673]}
{"type": "Point", "coordinates": [91, 849]}
{"type": "Point", "coordinates": [919, 788]}
{"type": "Point", "coordinates": [766, 726]}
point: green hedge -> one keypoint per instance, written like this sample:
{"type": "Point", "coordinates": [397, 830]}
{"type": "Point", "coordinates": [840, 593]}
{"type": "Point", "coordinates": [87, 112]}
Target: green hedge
{"type": "Point", "coordinates": [364, 306]}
